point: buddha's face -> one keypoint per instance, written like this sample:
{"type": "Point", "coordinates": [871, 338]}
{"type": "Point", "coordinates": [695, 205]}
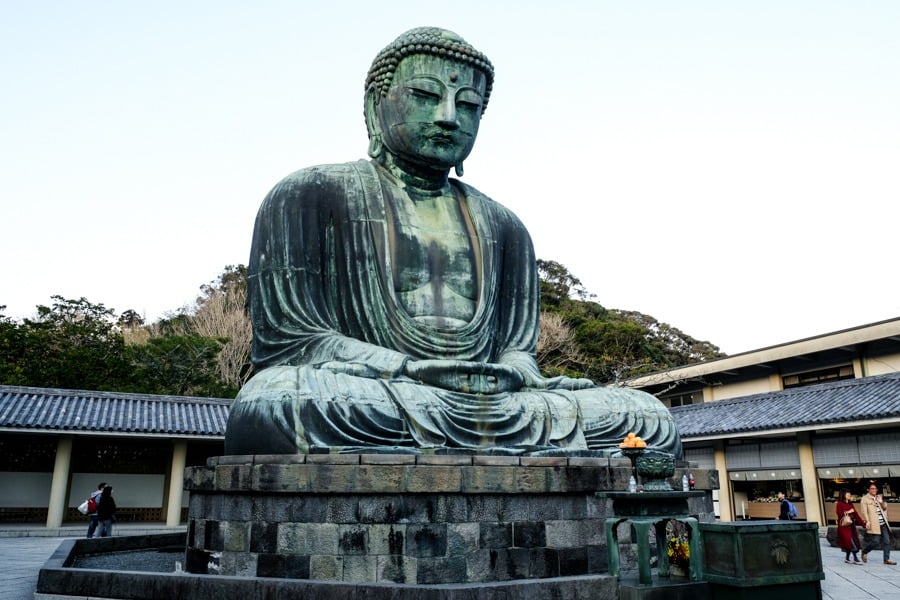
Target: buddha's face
{"type": "Point", "coordinates": [431, 112]}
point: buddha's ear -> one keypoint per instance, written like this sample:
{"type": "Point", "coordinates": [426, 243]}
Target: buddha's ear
{"type": "Point", "coordinates": [376, 145]}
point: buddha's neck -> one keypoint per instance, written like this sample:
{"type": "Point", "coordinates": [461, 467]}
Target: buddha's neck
{"type": "Point", "coordinates": [418, 179]}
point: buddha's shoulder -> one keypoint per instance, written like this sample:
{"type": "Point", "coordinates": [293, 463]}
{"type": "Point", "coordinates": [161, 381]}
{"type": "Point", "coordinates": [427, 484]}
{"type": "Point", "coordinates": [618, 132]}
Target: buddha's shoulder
{"type": "Point", "coordinates": [338, 173]}
{"type": "Point", "coordinates": [498, 212]}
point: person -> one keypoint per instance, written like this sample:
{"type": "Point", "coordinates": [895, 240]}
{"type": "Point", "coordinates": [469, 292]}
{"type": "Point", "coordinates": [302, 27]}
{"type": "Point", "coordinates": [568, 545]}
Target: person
{"type": "Point", "coordinates": [396, 308]}
{"type": "Point", "coordinates": [92, 516]}
{"type": "Point", "coordinates": [784, 514]}
{"type": "Point", "coordinates": [106, 511]}
{"type": "Point", "coordinates": [875, 514]}
{"type": "Point", "coordinates": [847, 535]}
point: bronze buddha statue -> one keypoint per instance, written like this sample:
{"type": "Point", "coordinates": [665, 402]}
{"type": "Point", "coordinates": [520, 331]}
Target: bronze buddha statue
{"type": "Point", "coordinates": [395, 308]}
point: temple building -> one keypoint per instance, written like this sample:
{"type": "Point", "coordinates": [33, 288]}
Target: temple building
{"type": "Point", "coordinates": [808, 417]}
{"type": "Point", "coordinates": [56, 446]}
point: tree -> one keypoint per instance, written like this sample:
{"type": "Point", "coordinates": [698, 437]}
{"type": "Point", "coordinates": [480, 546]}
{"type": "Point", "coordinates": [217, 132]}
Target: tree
{"type": "Point", "coordinates": [179, 365]}
{"type": "Point", "coordinates": [12, 351]}
{"type": "Point", "coordinates": [585, 339]}
{"type": "Point", "coordinates": [77, 344]}
{"type": "Point", "coordinates": [557, 351]}
{"type": "Point", "coordinates": [73, 344]}
{"type": "Point", "coordinates": [130, 319]}
{"type": "Point", "coordinates": [558, 284]}
{"type": "Point", "coordinates": [221, 313]}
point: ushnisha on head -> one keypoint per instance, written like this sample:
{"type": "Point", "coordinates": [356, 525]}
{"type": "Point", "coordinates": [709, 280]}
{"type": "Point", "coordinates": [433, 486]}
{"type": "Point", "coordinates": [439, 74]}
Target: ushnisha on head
{"type": "Point", "coordinates": [426, 40]}
{"type": "Point", "coordinates": [463, 78]}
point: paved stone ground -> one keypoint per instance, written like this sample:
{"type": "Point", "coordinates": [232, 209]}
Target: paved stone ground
{"type": "Point", "coordinates": [22, 556]}
{"type": "Point", "coordinates": [872, 580]}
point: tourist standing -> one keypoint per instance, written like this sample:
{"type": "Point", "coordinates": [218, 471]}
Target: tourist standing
{"type": "Point", "coordinates": [874, 513]}
{"type": "Point", "coordinates": [847, 520]}
{"type": "Point", "coordinates": [785, 513]}
{"type": "Point", "coordinates": [92, 515]}
{"type": "Point", "coordinates": [106, 511]}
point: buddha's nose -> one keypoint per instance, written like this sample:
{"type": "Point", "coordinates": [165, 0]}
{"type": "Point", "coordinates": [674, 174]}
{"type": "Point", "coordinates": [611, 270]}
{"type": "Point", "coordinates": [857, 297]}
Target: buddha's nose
{"type": "Point", "coordinates": [446, 115]}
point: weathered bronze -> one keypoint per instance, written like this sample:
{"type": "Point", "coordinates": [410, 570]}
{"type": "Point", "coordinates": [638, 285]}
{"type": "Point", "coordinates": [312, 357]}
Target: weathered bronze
{"type": "Point", "coordinates": [395, 308]}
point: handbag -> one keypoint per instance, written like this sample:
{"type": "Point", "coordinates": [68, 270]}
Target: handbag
{"type": "Point", "coordinates": [846, 520]}
{"type": "Point", "coordinates": [83, 507]}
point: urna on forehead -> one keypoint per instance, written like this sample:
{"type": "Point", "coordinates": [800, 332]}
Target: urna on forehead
{"type": "Point", "coordinates": [426, 40]}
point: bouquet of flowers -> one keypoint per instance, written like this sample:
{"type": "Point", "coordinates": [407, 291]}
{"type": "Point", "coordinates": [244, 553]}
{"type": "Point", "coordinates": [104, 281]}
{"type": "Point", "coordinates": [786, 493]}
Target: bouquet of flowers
{"type": "Point", "coordinates": [677, 548]}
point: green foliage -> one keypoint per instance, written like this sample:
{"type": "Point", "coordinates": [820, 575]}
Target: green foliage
{"type": "Point", "coordinates": [130, 319]}
{"type": "Point", "coordinates": [558, 284]}
{"type": "Point", "coordinates": [12, 351]}
{"type": "Point", "coordinates": [231, 281]}
{"type": "Point", "coordinates": [611, 345]}
{"type": "Point", "coordinates": [75, 344]}
{"type": "Point", "coordinates": [72, 344]}
{"type": "Point", "coordinates": [221, 312]}
{"type": "Point", "coordinates": [177, 365]}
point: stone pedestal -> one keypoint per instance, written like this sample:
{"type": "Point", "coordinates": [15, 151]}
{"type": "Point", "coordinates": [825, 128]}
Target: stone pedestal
{"type": "Point", "coordinates": [519, 527]}
{"type": "Point", "coordinates": [414, 519]}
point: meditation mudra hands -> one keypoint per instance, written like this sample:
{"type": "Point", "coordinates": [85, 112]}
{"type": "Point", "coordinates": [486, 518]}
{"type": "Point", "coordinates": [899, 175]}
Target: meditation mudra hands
{"type": "Point", "coordinates": [484, 378]}
{"type": "Point", "coordinates": [466, 376]}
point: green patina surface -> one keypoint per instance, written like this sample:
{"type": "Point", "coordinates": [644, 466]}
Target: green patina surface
{"type": "Point", "coordinates": [395, 307]}
{"type": "Point", "coordinates": [762, 552]}
{"type": "Point", "coordinates": [648, 513]}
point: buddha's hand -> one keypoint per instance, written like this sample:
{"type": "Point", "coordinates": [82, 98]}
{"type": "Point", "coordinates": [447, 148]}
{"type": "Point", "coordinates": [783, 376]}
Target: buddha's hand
{"type": "Point", "coordinates": [465, 376]}
{"type": "Point", "coordinates": [569, 383]}
{"type": "Point", "coordinates": [354, 369]}
{"type": "Point", "coordinates": [534, 380]}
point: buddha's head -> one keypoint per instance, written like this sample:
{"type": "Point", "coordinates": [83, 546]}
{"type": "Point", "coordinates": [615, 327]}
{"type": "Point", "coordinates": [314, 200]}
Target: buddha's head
{"type": "Point", "coordinates": [425, 94]}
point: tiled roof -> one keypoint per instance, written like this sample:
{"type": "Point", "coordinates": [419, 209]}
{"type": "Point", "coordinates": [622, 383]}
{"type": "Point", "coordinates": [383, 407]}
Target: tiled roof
{"type": "Point", "coordinates": [26, 408]}
{"type": "Point", "coordinates": [847, 401]}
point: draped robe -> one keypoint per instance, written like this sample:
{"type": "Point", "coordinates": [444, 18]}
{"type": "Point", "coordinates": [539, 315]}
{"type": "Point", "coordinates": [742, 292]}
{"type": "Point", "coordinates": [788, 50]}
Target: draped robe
{"type": "Point", "coordinates": [331, 337]}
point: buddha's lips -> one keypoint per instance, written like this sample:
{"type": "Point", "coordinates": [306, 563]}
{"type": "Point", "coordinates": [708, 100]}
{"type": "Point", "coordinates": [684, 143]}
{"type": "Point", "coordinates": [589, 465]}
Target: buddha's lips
{"type": "Point", "coordinates": [441, 138]}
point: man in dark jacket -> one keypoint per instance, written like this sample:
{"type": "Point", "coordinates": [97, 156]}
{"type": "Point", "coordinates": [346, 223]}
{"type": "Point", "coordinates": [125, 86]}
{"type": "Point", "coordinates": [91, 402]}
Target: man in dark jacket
{"type": "Point", "coordinates": [785, 512]}
{"type": "Point", "coordinates": [92, 516]}
{"type": "Point", "coordinates": [106, 511]}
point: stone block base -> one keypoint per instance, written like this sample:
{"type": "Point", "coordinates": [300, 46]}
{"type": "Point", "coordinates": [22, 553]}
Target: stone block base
{"type": "Point", "coordinates": [402, 519]}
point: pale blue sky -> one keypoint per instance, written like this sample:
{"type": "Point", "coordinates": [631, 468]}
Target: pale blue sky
{"type": "Point", "coordinates": [731, 168]}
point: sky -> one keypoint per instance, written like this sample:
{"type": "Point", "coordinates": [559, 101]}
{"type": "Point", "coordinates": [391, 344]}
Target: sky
{"type": "Point", "coordinates": [729, 168]}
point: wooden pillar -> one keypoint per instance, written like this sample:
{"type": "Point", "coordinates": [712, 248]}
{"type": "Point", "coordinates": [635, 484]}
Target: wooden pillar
{"type": "Point", "coordinates": [726, 501]}
{"type": "Point", "coordinates": [176, 484]}
{"type": "Point", "coordinates": [59, 486]}
{"type": "Point", "coordinates": [812, 498]}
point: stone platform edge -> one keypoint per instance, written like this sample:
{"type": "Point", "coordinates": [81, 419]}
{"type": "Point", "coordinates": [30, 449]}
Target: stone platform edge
{"type": "Point", "coordinates": [418, 473]}
{"type": "Point", "coordinates": [57, 581]}
{"type": "Point", "coordinates": [457, 460]}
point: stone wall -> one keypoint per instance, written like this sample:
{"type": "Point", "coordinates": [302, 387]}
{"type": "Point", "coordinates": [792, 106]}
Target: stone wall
{"type": "Point", "coordinates": [415, 519]}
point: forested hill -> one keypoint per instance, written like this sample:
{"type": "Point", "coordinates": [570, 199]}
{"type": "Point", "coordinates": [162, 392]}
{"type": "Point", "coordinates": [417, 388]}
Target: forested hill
{"type": "Point", "coordinates": [579, 337]}
{"type": "Point", "coordinates": [204, 349]}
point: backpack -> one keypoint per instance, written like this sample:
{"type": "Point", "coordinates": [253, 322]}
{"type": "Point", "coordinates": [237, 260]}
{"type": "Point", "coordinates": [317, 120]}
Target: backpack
{"type": "Point", "coordinates": [792, 510]}
{"type": "Point", "coordinates": [91, 505]}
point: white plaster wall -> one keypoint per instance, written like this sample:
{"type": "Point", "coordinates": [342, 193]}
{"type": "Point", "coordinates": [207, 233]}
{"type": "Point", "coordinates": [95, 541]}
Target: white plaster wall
{"type": "Point", "coordinates": [745, 388]}
{"type": "Point", "coordinates": [138, 491]}
{"type": "Point", "coordinates": [25, 490]}
{"type": "Point", "coordinates": [883, 364]}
